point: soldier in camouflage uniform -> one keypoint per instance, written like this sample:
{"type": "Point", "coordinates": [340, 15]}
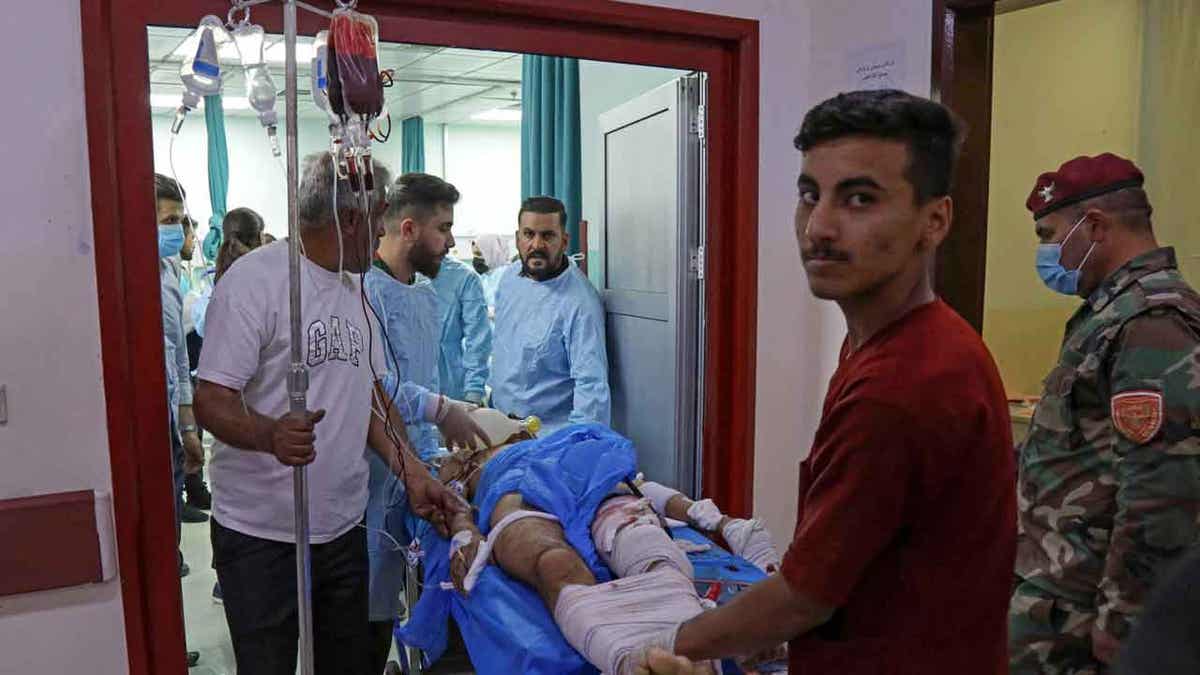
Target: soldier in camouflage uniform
{"type": "Point", "coordinates": [1109, 475]}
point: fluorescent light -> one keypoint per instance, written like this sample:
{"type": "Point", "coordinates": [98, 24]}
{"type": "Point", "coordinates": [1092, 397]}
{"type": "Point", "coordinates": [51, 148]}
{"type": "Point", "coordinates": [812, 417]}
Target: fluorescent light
{"type": "Point", "coordinates": [165, 100]}
{"type": "Point", "coordinates": [498, 115]}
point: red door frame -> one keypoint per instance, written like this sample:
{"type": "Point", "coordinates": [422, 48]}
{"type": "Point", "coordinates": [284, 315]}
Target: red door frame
{"type": "Point", "coordinates": [121, 163]}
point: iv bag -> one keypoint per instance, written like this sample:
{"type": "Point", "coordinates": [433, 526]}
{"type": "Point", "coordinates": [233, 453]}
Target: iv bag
{"type": "Point", "coordinates": [200, 71]}
{"type": "Point", "coordinates": [354, 84]}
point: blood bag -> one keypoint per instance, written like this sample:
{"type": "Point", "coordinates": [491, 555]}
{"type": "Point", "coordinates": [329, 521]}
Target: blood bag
{"type": "Point", "coordinates": [354, 84]}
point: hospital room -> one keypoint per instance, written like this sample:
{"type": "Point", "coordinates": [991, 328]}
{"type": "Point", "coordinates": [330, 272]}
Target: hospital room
{"type": "Point", "coordinates": [673, 337]}
{"type": "Point", "coordinates": [455, 114]}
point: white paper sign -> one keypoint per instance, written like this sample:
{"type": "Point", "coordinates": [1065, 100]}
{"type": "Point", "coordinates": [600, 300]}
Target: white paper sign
{"type": "Point", "coordinates": [877, 67]}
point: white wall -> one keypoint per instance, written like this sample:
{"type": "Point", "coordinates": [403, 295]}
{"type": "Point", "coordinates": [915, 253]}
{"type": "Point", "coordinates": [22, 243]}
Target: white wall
{"type": "Point", "coordinates": [55, 439]}
{"type": "Point", "coordinates": [435, 157]}
{"type": "Point", "coordinates": [804, 48]}
{"type": "Point", "coordinates": [257, 180]}
{"type": "Point", "coordinates": [484, 162]}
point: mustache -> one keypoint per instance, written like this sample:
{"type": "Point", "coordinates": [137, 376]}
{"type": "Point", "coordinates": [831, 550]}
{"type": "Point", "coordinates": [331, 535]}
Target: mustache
{"type": "Point", "coordinates": [824, 252]}
{"type": "Point", "coordinates": [538, 254]}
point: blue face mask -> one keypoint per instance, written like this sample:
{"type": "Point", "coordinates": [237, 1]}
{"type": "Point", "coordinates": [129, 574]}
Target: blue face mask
{"type": "Point", "coordinates": [170, 240]}
{"type": "Point", "coordinates": [1050, 269]}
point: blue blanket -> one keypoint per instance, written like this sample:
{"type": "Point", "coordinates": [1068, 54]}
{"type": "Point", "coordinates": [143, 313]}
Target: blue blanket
{"type": "Point", "coordinates": [567, 474]}
{"type": "Point", "coordinates": [506, 627]}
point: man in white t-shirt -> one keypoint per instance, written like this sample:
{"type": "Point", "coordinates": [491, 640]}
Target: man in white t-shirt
{"type": "Point", "coordinates": [242, 399]}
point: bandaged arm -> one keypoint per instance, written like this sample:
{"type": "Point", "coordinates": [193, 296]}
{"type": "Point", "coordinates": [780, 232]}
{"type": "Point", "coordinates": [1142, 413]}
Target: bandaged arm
{"type": "Point", "coordinates": [672, 503]}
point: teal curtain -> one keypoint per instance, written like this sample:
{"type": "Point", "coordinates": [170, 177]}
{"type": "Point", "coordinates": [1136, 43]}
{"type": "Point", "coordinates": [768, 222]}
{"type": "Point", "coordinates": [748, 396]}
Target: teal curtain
{"type": "Point", "coordinates": [550, 155]}
{"type": "Point", "coordinates": [412, 144]}
{"type": "Point", "coordinates": [218, 174]}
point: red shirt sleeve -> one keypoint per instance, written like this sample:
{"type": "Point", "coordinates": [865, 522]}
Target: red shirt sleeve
{"type": "Point", "coordinates": [853, 499]}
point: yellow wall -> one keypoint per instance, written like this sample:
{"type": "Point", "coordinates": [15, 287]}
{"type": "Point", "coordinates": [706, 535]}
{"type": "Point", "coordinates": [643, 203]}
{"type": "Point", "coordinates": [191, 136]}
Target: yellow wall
{"type": "Point", "coordinates": [1066, 83]}
{"type": "Point", "coordinates": [1168, 145]}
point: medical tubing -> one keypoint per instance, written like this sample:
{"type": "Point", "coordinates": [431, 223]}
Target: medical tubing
{"type": "Point", "coordinates": [175, 177]}
{"type": "Point", "coordinates": [362, 289]}
{"type": "Point", "coordinates": [337, 224]}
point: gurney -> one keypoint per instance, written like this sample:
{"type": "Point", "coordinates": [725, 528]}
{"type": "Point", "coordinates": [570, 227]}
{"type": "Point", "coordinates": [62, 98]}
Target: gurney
{"type": "Point", "coordinates": [504, 623]}
{"type": "Point", "coordinates": [512, 632]}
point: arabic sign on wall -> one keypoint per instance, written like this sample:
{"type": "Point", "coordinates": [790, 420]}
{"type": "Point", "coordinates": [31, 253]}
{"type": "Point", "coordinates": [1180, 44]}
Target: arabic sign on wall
{"type": "Point", "coordinates": [877, 67]}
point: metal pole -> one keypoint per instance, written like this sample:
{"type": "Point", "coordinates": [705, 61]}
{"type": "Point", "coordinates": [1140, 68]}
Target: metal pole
{"type": "Point", "coordinates": [298, 379]}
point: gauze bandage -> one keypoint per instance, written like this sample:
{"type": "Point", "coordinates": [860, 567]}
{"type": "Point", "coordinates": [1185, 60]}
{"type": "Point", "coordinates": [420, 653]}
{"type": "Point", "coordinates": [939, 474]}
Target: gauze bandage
{"type": "Point", "coordinates": [750, 539]}
{"type": "Point", "coordinates": [631, 540]}
{"type": "Point", "coordinates": [658, 494]}
{"type": "Point", "coordinates": [613, 623]}
{"type": "Point", "coordinates": [705, 515]}
{"type": "Point", "coordinates": [484, 553]}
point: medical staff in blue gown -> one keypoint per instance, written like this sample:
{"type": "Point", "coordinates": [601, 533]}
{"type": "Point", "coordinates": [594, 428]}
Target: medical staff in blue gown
{"type": "Point", "coordinates": [466, 340]}
{"type": "Point", "coordinates": [416, 237]}
{"type": "Point", "coordinates": [549, 358]}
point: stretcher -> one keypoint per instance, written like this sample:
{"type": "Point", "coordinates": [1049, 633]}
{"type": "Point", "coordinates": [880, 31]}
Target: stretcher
{"type": "Point", "coordinates": [524, 635]}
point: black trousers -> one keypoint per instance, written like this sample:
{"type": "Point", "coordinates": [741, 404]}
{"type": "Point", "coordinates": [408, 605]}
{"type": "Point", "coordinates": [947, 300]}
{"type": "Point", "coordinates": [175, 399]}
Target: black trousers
{"type": "Point", "coordinates": [258, 581]}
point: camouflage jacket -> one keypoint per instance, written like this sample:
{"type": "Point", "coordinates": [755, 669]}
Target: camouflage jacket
{"type": "Point", "coordinates": [1109, 475]}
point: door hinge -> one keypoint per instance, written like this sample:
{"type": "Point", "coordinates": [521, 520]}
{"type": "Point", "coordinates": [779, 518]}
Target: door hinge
{"type": "Point", "coordinates": [696, 262]}
{"type": "Point", "coordinates": [700, 122]}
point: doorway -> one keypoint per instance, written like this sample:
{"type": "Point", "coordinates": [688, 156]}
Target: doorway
{"type": "Point", "coordinates": [119, 129]}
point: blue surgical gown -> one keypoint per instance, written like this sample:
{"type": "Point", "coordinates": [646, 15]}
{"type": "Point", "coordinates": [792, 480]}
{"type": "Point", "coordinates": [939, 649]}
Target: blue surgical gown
{"type": "Point", "coordinates": [550, 358]}
{"type": "Point", "coordinates": [491, 281]}
{"type": "Point", "coordinates": [466, 337]}
{"type": "Point", "coordinates": [412, 321]}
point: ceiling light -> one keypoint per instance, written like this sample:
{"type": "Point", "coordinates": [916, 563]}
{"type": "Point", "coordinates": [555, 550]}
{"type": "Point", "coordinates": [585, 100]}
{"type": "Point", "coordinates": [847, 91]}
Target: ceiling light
{"type": "Point", "coordinates": [498, 115]}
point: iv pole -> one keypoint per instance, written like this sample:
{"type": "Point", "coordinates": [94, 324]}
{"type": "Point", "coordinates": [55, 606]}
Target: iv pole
{"type": "Point", "coordinates": [298, 374]}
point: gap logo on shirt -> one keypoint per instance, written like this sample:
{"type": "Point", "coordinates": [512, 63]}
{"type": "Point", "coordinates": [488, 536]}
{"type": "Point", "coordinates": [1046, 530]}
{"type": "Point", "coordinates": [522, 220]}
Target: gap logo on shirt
{"type": "Point", "coordinates": [335, 340]}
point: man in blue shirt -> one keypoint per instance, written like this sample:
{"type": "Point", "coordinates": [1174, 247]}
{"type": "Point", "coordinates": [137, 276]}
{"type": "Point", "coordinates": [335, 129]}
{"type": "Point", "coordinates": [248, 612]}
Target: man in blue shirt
{"type": "Point", "coordinates": [416, 236]}
{"type": "Point", "coordinates": [466, 335]}
{"type": "Point", "coordinates": [184, 439]}
{"type": "Point", "coordinates": [550, 358]}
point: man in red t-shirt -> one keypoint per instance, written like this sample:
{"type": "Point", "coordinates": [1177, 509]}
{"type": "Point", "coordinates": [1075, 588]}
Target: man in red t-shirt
{"type": "Point", "coordinates": [902, 558]}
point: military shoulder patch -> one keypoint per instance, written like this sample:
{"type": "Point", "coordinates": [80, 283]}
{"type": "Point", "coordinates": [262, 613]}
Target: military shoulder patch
{"type": "Point", "coordinates": [1138, 415]}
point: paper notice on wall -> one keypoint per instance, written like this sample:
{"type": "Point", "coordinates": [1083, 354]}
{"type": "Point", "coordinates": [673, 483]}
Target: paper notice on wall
{"type": "Point", "coordinates": [877, 67]}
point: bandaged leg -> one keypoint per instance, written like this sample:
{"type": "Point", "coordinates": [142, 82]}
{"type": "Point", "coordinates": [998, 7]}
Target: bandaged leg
{"type": "Point", "coordinates": [534, 550]}
{"type": "Point", "coordinates": [631, 540]}
{"type": "Point", "coordinates": [614, 623]}
{"type": "Point", "coordinates": [750, 539]}
{"type": "Point", "coordinates": [484, 553]}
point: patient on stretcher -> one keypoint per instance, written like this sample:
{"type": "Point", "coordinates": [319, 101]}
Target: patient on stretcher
{"type": "Point", "coordinates": [552, 544]}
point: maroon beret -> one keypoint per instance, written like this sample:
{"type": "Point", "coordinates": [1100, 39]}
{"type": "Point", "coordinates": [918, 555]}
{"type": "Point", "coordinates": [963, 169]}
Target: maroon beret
{"type": "Point", "coordinates": [1079, 179]}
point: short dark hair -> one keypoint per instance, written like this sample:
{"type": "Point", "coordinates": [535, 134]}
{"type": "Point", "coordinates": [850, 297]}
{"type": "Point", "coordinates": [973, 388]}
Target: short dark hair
{"type": "Point", "coordinates": [544, 204]}
{"type": "Point", "coordinates": [314, 199]}
{"type": "Point", "coordinates": [418, 195]}
{"type": "Point", "coordinates": [931, 131]}
{"type": "Point", "coordinates": [1129, 206]}
{"type": "Point", "coordinates": [168, 189]}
